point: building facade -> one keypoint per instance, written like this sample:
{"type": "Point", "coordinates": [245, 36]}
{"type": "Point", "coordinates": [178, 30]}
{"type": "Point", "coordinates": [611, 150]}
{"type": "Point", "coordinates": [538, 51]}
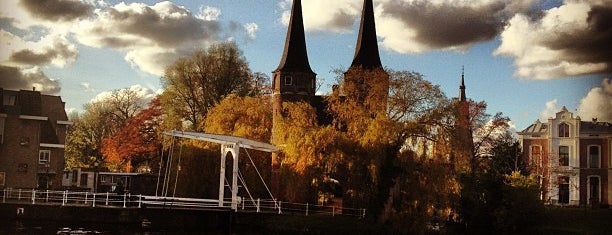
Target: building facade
{"type": "Point", "coordinates": [572, 158]}
{"type": "Point", "coordinates": [32, 136]}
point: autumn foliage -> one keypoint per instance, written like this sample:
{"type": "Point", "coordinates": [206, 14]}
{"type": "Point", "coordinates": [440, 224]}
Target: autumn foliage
{"type": "Point", "coordinates": [136, 142]}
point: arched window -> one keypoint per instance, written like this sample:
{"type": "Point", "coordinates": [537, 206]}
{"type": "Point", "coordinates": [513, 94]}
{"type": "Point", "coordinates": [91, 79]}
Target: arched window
{"type": "Point", "coordinates": [563, 130]}
{"type": "Point", "coordinates": [594, 192]}
{"type": "Point", "coordinates": [564, 194]}
{"type": "Point", "coordinates": [594, 156]}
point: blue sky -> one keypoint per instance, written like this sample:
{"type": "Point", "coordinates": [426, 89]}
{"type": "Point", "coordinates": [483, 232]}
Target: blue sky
{"type": "Point", "coordinates": [525, 58]}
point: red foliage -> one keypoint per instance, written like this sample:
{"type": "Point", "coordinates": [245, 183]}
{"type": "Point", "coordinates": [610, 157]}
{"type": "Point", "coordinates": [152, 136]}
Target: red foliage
{"type": "Point", "coordinates": [137, 140]}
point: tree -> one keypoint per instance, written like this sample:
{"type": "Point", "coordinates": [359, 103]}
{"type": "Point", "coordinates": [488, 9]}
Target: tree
{"type": "Point", "coordinates": [248, 117]}
{"type": "Point", "coordinates": [137, 142]}
{"type": "Point", "coordinates": [84, 139]}
{"type": "Point", "coordinates": [100, 119]}
{"type": "Point", "coordinates": [193, 85]}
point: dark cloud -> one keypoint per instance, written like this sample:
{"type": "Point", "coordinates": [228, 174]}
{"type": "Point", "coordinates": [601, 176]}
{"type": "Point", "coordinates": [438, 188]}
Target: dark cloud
{"type": "Point", "coordinates": [589, 45]}
{"type": "Point", "coordinates": [57, 10]}
{"type": "Point", "coordinates": [15, 79]}
{"type": "Point", "coordinates": [449, 25]}
{"type": "Point", "coordinates": [342, 20]}
{"type": "Point", "coordinates": [59, 50]}
{"type": "Point", "coordinates": [157, 24]}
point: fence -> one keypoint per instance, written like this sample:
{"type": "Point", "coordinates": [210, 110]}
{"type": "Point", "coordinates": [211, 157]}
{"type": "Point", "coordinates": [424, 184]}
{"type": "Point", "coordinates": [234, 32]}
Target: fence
{"type": "Point", "coordinates": [88, 199]}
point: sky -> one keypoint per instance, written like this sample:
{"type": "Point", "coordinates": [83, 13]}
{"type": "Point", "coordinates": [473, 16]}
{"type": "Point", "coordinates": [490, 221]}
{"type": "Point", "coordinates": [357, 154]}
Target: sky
{"type": "Point", "coordinates": [525, 58]}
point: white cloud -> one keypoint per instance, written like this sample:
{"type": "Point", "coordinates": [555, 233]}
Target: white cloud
{"type": "Point", "coordinates": [251, 29]}
{"type": "Point", "coordinates": [324, 15]}
{"type": "Point", "coordinates": [209, 13]}
{"type": "Point", "coordinates": [549, 111]}
{"type": "Point", "coordinates": [597, 103]}
{"type": "Point", "coordinates": [569, 40]}
{"type": "Point", "coordinates": [143, 93]}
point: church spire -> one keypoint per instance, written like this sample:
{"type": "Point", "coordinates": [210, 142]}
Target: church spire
{"type": "Point", "coordinates": [295, 57]}
{"type": "Point", "coordinates": [366, 51]}
{"type": "Point", "coordinates": [462, 96]}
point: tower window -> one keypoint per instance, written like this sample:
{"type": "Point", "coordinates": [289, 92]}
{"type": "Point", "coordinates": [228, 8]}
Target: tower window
{"type": "Point", "coordinates": [288, 80]}
{"type": "Point", "coordinates": [563, 130]}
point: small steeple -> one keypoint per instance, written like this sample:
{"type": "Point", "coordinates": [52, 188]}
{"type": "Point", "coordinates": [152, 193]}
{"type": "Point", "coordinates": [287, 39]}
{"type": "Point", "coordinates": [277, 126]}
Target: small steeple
{"type": "Point", "coordinates": [295, 57]}
{"type": "Point", "coordinates": [366, 50]}
{"type": "Point", "coordinates": [462, 96]}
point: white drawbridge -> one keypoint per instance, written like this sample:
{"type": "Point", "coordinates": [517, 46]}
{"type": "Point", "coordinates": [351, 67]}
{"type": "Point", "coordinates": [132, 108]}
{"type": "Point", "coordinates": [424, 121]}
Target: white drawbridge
{"type": "Point", "coordinates": [229, 144]}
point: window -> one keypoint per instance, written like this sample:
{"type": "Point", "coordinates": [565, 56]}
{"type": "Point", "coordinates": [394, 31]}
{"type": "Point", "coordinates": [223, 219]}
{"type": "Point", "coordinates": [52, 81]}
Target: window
{"type": "Point", "coordinates": [563, 156]}
{"type": "Point", "coordinates": [44, 156]}
{"type": "Point", "coordinates": [74, 176]}
{"type": "Point", "coordinates": [288, 80]}
{"type": "Point", "coordinates": [563, 130]}
{"type": "Point", "coordinates": [564, 189]}
{"type": "Point", "coordinates": [594, 156]}
{"type": "Point", "coordinates": [594, 195]}
{"type": "Point", "coordinates": [10, 100]}
{"type": "Point", "coordinates": [83, 179]}
{"type": "Point", "coordinates": [536, 157]}
{"type": "Point", "coordinates": [2, 178]}
{"type": "Point", "coordinates": [102, 178]}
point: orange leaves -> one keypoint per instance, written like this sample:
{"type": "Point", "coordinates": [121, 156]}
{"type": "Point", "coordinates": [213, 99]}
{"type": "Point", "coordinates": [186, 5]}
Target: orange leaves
{"type": "Point", "coordinates": [136, 141]}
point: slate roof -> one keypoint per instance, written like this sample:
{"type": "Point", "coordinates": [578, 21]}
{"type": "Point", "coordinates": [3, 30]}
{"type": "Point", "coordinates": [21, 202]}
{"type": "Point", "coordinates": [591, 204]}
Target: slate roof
{"type": "Point", "coordinates": [295, 56]}
{"type": "Point", "coordinates": [366, 50]}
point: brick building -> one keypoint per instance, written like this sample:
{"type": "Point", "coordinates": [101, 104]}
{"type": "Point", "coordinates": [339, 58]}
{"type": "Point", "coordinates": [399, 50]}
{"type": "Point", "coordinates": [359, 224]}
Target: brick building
{"type": "Point", "coordinates": [32, 136]}
{"type": "Point", "coordinates": [572, 158]}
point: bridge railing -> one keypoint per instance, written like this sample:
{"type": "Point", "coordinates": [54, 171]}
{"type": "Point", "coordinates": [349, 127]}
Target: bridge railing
{"type": "Point", "coordinates": [280, 207]}
{"type": "Point", "coordinates": [88, 199]}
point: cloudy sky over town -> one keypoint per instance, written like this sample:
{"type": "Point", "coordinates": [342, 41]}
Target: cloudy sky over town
{"type": "Point", "coordinates": [525, 58]}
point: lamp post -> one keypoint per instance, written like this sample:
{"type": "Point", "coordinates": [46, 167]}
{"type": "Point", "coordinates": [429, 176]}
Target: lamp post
{"type": "Point", "coordinates": [96, 169]}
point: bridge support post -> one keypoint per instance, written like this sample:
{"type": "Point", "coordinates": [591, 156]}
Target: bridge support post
{"type": "Point", "coordinates": [222, 176]}
{"type": "Point", "coordinates": [235, 152]}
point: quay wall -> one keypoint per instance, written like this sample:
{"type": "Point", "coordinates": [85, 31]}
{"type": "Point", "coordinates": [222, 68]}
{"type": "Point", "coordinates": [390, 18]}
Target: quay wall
{"type": "Point", "coordinates": [153, 217]}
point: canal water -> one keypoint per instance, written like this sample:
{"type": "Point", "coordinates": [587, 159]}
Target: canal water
{"type": "Point", "coordinates": [11, 227]}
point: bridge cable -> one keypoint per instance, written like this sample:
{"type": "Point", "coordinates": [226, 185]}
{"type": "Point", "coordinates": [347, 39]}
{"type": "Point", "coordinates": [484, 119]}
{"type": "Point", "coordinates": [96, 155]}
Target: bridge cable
{"type": "Point", "coordinates": [169, 169]}
{"type": "Point", "coordinates": [260, 177]}
{"type": "Point", "coordinates": [161, 160]}
{"type": "Point", "coordinates": [246, 187]}
{"type": "Point", "coordinates": [178, 168]}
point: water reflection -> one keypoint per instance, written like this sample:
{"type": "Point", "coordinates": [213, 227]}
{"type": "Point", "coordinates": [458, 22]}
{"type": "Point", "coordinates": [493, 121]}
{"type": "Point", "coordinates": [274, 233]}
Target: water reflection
{"type": "Point", "coordinates": [62, 227]}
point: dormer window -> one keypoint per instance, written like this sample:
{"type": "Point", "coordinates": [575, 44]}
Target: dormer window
{"type": "Point", "coordinates": [288, 80]}
{"type": "Point", "coordinates": [563, 130]}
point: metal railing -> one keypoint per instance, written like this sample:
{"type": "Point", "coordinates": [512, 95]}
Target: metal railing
{"type": "Point", "coordinates": [88, 199]}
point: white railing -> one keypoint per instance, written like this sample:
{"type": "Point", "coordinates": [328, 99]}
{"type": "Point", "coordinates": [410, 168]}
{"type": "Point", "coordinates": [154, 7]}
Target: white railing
{"type": "Point", "coordinates": [88, 199]}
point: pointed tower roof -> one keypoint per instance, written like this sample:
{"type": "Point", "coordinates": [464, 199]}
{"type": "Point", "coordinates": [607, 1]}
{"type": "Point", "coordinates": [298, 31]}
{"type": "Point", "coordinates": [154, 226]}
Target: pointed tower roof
{"type": "Point", "coordinates": [366, 51]}
{"type": "Point", "coordinates": [462, 96]}
{"type": "Point", "coordinates": [295, 57]}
